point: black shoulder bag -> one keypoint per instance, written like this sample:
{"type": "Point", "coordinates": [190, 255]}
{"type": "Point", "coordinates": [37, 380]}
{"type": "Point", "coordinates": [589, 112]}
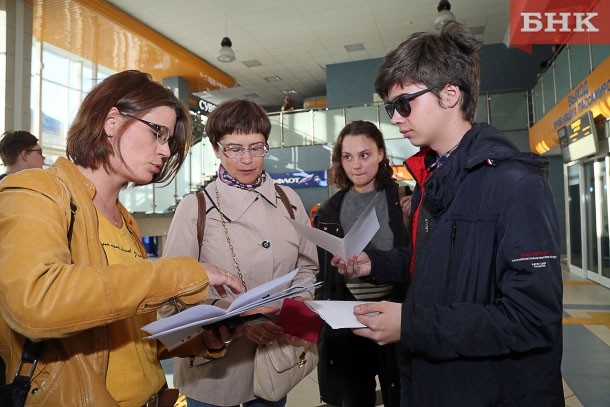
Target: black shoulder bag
{"type": "Point", "coordinates": [14, 394]}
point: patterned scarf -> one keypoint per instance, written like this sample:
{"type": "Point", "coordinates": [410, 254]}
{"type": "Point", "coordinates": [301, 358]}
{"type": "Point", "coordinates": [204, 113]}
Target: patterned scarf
{"type": "Point", "coordinates": [224, 176]}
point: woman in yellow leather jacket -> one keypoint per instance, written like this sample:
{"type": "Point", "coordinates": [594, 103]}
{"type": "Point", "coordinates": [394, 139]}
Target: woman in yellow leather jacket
{"type": "Point", "coordinates": [73, 271]}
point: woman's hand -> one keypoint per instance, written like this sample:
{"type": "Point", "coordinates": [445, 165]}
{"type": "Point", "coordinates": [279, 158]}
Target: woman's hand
{"type": "Point", "coordinates": [355, 267]}
{"type": "Point", "coordinates": [220, 278]}
{"type": "Point", "coordinates": [218, 338]}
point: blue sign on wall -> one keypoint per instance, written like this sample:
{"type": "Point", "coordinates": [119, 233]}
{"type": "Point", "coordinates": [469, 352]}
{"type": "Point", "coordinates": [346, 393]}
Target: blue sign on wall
{"type": "Point", "coordinates": [301, 179]}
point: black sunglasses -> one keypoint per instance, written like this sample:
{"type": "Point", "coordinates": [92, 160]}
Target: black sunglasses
{"type": "Point", "coordinates": [401, 103]}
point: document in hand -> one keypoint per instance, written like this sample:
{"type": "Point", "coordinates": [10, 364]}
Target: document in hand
{"type": "Point", "coordinates": [337, 314]}
{"type": "Point", "coordinates": [354, 241]}
{"type": "Point", "coordinates": [179, 328]}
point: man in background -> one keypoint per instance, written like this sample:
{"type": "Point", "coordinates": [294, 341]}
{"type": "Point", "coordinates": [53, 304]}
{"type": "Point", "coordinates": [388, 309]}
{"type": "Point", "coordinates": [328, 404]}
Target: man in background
{"type": "Point", "coordinates": [20, 150]}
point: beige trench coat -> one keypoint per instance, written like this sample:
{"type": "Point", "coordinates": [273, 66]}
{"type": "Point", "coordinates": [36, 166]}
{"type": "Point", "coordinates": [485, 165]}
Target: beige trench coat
{"type": "Point", "coordinates": [252, 218]}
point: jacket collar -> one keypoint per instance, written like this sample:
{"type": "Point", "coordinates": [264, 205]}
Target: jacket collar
{"type": "Point", "coordinates": [479, 145]}
{"type": "Point", "coordinates": [64, 168]}
{"type": "Point", "coordinates": [236, 201]}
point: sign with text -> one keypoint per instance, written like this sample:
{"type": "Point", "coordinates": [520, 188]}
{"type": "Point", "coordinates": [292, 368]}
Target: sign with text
{"type": "Point", "coordinates": [559, 22]}
{"type": "Point", "coordinates": [301, 179]}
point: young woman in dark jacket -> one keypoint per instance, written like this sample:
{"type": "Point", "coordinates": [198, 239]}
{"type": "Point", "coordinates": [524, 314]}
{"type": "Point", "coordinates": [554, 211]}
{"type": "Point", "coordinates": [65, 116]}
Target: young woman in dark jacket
{"type": "Point", "coordinates": [348, 364]}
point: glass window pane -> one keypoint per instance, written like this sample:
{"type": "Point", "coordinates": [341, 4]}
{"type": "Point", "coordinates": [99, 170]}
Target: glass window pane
{"type": "Point", "coordinates": [562, 75]}
{"type": "Point", "coordinates": [389, 130]}
{"type": "Point", "coordinates": [548, 87]}
{"type": "Point", "coordinates": [56, 68]}
{"type": "Point", "coordinates": [368, 113]}
{"type": "Point", "coordinates": [509, 110]}
{"type": "Point", "coordinates": [590, 217]}
{"type": "Point", "coordinates": [538, 103]}
{"type": "Point", "coordinates": [574, 216]}
{"type": "Point", "coordinates": [599, 53]}
{"type": "Point", "coordinates": [138, 199]}
{"type": "Point", "coordinates": [297, 129]}
{"type": "Point", "coordinates": [76, 73]}
{"type": "Point", "coordinates": [579, 63]}
{"type": "Point", "coordinates": [327, 125]}
{"type": "Point", "coordinates": [275, 136]}
{"type": "Point", "coordinates": [54, 114]}
{"type": "Point", "coordinates": [481, 116]}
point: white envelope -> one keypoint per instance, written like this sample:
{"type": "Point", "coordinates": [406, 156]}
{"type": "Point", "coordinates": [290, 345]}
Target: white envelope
{"type": "Point", "coordinates": [354, 241]}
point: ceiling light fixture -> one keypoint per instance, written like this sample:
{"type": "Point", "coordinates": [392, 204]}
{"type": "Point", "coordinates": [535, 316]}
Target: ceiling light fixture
{"type": "Point", "coordinates": [444, 15]}
{"type": "Point", "coordinates": [226, 53]}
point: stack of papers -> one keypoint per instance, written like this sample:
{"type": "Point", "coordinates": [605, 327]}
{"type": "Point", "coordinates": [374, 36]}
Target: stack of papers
{"type": "Point", "coordinates": [177, 329]}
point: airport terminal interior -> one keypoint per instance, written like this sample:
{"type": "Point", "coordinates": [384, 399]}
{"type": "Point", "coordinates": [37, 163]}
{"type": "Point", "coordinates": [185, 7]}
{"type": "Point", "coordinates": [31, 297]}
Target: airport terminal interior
{"type": "Point", "coordinates": [548, 99]}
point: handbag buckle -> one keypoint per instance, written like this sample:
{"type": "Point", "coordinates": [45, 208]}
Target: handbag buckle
{"type": "Point", "coordinates": [302, 359]}
{"type": "Point", "coordinates": [30, 373]}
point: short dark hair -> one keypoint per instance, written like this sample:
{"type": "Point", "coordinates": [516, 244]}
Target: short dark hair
{"type": "Point", "coordinates": [13, 143]}
{"type": "Point", "coordinates": [135, 93]}
{"type": "Point", "coordinates": [436, 60]}
{"type": "Point", "coordinates": [356, 128]}
{"type": "Point", "coordinates": [239, 116]}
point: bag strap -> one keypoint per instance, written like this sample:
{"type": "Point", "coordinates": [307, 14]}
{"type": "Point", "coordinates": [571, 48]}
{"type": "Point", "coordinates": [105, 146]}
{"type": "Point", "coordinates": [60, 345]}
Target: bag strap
{"type": "Point", "coordinates": [31, 350]}
{"type": "Point", "coordinates": [200, 220]}
{"type": "Point", "coordinates": [285, 200]}
{"type": "Point", "coordinates": [201, 208]}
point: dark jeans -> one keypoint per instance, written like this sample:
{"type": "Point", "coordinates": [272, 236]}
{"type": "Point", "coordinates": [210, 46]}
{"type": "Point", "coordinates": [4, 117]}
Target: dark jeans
{"type": "Point", "coordinates": [368, 360]}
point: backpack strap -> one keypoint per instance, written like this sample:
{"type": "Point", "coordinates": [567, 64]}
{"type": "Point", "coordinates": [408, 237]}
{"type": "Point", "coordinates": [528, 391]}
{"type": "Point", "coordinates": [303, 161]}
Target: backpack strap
{"type": "Point", "coordinates": [200, 220]}
{"type": "Point", "coordinates": [285, 200]}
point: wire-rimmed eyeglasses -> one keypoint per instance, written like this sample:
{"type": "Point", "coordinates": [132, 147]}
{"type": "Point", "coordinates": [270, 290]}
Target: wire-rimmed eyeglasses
{"type": "Point", "coordinates": [402, 103]}
{"type": "Point", "coordinates": [235, 152]}
{"type": "Point", "coordinates": [161, 132]}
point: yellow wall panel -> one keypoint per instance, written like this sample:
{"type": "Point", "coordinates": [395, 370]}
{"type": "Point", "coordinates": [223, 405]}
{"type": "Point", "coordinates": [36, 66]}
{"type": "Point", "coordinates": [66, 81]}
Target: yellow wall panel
{"type": "Point", "coordinates": [97, 31]}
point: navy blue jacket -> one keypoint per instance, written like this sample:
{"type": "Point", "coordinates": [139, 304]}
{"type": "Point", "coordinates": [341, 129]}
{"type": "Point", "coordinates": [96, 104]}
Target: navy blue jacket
{"type": "Point", "coordinates": [482, 316]}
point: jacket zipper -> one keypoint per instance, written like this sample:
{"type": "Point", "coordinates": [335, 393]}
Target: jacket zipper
{"type": "Point", "coordinates": [175, 300]}
{"type": "Point", "coordinates": [451, 257]}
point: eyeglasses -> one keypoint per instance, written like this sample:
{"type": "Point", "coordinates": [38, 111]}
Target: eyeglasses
{"type": "Point", "coordinates": [401, 103]}
{"type": "Point", "coordinates": [35, 149]}
{"type": "Point", "coordinates": [234, 152]}
{"type": "Point", "coordinates": [161, 132]}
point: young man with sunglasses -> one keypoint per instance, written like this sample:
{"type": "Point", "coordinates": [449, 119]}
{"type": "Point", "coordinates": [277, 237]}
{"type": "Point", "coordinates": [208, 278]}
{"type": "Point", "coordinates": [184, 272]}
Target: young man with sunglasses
{"type": "Point", "coordinates": [19, 150]}
{"type": "Point", "coordinates": [481, 322]}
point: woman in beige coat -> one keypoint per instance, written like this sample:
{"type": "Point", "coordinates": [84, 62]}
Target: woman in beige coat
{"type": "Point", "coordinates": [246, 232]}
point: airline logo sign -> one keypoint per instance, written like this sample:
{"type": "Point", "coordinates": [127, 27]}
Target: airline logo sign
{"type": "Point", "coordinates": [301, 179]}
{"type": "Point", "coordinates": [559, 22]}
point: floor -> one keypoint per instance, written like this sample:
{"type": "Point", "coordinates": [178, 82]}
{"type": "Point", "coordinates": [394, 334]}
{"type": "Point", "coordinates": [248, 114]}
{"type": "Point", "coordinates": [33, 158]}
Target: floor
{"type": "Point", "coordinates": [586, 357]}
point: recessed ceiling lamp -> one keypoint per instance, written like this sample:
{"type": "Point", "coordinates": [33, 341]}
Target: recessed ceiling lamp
{"type": "Point", "coordinates": [444, 14]}
{"type": "Point", "coordinates": [226, 53]}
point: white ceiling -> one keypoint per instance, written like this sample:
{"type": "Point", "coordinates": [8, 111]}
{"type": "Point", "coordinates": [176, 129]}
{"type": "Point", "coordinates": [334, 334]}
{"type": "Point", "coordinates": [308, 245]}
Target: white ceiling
{"type": "Point", "coordinates": [295, 40]}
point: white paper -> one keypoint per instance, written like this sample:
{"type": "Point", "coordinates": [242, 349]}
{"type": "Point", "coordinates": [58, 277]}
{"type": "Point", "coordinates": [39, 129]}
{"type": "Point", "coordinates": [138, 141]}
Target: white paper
{"type": "Point", "coordinates": [337, 314]}
{"type": "Point", "coordinates": [179, 328]}
{"type": "Point", "coordinates": [354, 241]}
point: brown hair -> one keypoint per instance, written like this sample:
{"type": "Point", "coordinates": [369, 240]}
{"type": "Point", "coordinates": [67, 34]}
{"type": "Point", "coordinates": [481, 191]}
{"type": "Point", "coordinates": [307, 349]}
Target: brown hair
{"type": "Point", "coordinates": [239, 116]}
{"type": "Point", "coordinates": [13, 143]}
{"type": "Point", "coordinates": [134, 93]}
{"type": "Point", "coordinates": [356, 128]}
{"type": "Point", "coordinates": [436, 60]}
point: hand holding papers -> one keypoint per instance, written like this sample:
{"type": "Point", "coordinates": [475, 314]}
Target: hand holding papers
{"type": "Point", "coordinates": [354, 241]}
{"type": "Point", "coordinates": [337, 314]}
{"type": "Point", "coordinates": [179, 328]}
